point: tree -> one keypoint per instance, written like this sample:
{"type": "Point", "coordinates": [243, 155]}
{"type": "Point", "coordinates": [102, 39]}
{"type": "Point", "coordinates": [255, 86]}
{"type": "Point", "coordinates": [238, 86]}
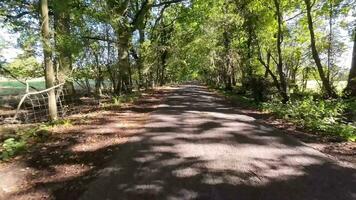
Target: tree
{"type": "Point", "coordinates": [24, 67]}
{"type": "Point", "coordinates": [351, 84]}
{"type": "Point", "coordinates": [62, 23]}
{"type": "Point", "coordinates": [240, 44]}
{"type": "Point", "coordinates": [47, 55]}
{"type": "Point", "coordinates": [325, 81]}
{"type": "Point", "coordinates": [282, 77]}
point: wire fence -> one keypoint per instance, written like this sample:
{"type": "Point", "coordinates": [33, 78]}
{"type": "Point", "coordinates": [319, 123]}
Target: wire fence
{"type": "Point", "coordinates": [33, 107]}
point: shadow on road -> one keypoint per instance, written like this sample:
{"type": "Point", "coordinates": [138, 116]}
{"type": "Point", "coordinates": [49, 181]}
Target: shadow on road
{"type": "Point", "coordinates": [195, 146]}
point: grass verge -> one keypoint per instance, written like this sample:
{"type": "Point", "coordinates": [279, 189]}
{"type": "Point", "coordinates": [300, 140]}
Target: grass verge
{"type": "Point", "coordinates": [23, 138]}
{"type": "Point", "coordinates": [325, 117]}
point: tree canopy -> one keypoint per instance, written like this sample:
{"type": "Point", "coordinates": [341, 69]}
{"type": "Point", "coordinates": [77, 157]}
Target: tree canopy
{"type": "Point", "coordinates": [261, 48]}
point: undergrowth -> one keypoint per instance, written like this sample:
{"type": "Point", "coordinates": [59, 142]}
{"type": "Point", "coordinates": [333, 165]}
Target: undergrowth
{"type": "Point", "coordinates": [321, 116]}
{"type": "Point", "coordinates": [329, 117]}
{"type": "Point", "coordinates": [20, 142]}
{"type": "Point", "coordinates": [129, 98]}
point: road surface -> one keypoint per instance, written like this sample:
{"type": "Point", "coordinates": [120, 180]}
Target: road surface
{"type": "Point", "coordinates": [197, 146]}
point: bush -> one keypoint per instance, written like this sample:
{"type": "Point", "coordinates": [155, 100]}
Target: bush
{"type": "Point", "coordinates": [11, 147]}
{"type": "Point", "coordinates": [128, 98]}
{"type": "Point", "coordinates": [325, 116]}
{"type": "Point", "coordinates": [14, 145]}
{"type": "Point", "coordinates": [258, 87]}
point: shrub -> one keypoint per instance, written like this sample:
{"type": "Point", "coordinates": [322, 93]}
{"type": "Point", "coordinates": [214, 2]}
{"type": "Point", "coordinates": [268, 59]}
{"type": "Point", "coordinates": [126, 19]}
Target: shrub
{"type": "Point", "coordinates": [117, 100]}
{"type": "Point", "coordinates": [258, 87]}
{"type": "Point", "coordinates": [325, 116]}
{"type": "Point", "coordinates": [11, 147]}
{"type": "Point", "coordinates": [15, 145]}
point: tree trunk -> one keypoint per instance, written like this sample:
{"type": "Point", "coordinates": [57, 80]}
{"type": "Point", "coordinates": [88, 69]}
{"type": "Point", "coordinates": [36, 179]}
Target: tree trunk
{"type": "Point", "coordinates": [124, 62]}
{"type": "Point", "coordinates": [227, 63]}
{"type": "Point", "coordinates": [268, 70]}
{"type": "Point", "coordinates": [282, 77]}
{"type": "Point", "coordinates": [140, 58]}
{"type": "Point", "coordinates": [111, 70]}
{"type": "Point", "coordinates": [87, 84]}
{"type": "Point", "coordinates": [351, 85]}
{"type": "Point", "coordinates": [99, 77]}
{"type": "Point", "coordinates": [47, 53]}
{"type": "Point", "coordinates": [329, 91]}
{"type": "Point", "coordinates": [330, 39]}
{"type": "Point", "coordinates": [249, 50]}
{"type": "Point", "coordinates": [62, 28]}
{"type": "Point", "coordinates": [163, 67]}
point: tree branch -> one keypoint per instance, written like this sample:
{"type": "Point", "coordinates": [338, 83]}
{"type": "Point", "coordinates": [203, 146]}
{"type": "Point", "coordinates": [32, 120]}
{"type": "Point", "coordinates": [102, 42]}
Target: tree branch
{"type": "Point", "coordinates": [98, 38]}
{"type": "Point", "coordinates": [16, 16]}
{"type": "Point", "coordinates": [14, 77]}
{"type": "Point", "coordinates": [167, 3]}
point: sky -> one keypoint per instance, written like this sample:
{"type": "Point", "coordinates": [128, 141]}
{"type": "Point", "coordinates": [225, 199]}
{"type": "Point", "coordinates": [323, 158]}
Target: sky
{"type": "Point", "coordinates": [11, 50]}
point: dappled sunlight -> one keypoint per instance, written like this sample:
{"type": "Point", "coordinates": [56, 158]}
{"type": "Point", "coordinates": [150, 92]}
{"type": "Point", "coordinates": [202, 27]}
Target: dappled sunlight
{"type": "Point", "coordinates": [202, 151]}
{"type": "Point", "coordinates": [186, 172]}
{"type": "Point", "coordinates": [65, 171]}
{"type": "Point", "coordinates": [79, 152]}
{"type": "Point", "coordinates": [229, 116]}
{"type": "Point", "coordinates": [177, 100]}
{"type": "Point", "coordinates": [190, 151]}
{"type": "Point", "coordinates": [94, 144]}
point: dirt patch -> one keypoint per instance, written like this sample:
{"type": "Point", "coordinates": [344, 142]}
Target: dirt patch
{"type": "Point", "coordinates": [72, 156]}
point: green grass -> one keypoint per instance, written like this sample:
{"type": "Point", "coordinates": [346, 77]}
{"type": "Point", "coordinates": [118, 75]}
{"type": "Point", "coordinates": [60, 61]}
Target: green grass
{"type": "Point", "coordinates": [17, 88]}
{"type": "Point", "coordinates": [12, 87]}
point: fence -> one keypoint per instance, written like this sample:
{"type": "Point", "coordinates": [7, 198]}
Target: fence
{"type": "Point", "coordinates": [33, 106]}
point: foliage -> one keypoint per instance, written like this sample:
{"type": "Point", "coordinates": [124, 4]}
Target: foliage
{"type": "Point", "coordinates": [25, 67]}
{"type": "Point", "coordinates": [11, 147]}
{"type": "Point", "coordinates": [127, 98]}
{"type": "Point", "coordinates": [266, 50]}
{"type": "Point", "coordinates": [325, 116]}
{"type": "Point", "coordinates": [241, 100]}
{"type": "Point", "coordinates": [15, 145]}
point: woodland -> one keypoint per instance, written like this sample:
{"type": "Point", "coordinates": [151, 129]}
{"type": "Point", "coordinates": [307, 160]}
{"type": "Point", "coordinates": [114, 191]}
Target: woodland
{"type": "Point", "coordinates": [285, 57]}
{"type": "Point", "coordinates": [178, 99]}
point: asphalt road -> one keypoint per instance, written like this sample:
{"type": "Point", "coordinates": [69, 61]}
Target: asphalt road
{"type": "Point", "coordinates": [196, 146]}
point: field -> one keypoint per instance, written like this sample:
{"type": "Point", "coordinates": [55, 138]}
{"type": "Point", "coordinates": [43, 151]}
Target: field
{"type": "Point", "coordinates": [313, 85]}
{"type": "Point", "coordinates": [11, 91]}
{"type": "Point", "coordinates": [15, 88]}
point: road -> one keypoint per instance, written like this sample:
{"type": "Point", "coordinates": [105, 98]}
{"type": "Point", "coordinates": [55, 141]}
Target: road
{"type": "Point", "coordinates": [197, 146]}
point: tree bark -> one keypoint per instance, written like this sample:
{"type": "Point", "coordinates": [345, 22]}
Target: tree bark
{"type": "Point", "coordinates": [351, 84]}
{"type": "Point", "coordinates": [330, 39]}
{"type": "Point", "coordinates": [124, 62]}
{"type": "Point", "coordinates": [99, 77]}
{"type": "Point", "coordinates": [227, 63]}
{"type": "Point", "coordinates": [268, 70]}
{"type": "Point", "coordinates": [163, 67]}
{"type": "Point", "coordinates": [62, 28]}
{"type": "Point", "coordinates": [124, 31]}
{"type": "Point", "coordinates": [282, 77]}
{"type": "Point", "coordinates": [140, 58]}
{"type": "Point", "coordinates": [329, 91]}
{"type": "Point", "coordinates": [47, 52]}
